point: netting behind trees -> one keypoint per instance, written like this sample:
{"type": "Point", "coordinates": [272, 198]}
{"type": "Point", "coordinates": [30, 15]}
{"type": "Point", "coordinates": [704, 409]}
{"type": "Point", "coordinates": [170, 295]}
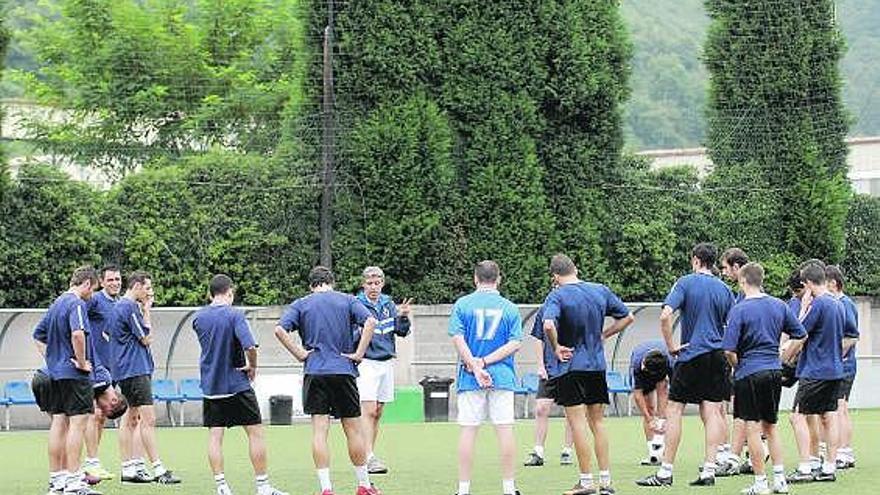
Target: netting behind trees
{"type": "Point", "coordinates": [459, 130]}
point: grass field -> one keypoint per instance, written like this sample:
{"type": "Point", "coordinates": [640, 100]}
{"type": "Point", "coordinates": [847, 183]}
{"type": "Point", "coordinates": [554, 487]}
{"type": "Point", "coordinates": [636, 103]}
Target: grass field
{"type": "Point", "coordinates": [422, 459]}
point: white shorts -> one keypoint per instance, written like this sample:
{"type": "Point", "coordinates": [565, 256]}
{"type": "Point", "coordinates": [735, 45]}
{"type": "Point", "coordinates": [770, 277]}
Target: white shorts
{"type": "Point", "coordinates": [376, 380]}
{"type": "Point", "coordinates": [477, 406]}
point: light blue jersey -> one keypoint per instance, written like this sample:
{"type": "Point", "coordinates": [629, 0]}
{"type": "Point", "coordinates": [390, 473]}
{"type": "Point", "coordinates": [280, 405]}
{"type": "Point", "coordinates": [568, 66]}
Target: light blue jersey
{"type": "Point", "coordinates": [487, 321]}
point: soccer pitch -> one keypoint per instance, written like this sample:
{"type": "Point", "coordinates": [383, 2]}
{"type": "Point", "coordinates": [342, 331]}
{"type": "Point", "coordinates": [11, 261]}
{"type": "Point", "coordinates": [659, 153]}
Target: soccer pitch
{"type": "Point", "coordinates": [422, 460]}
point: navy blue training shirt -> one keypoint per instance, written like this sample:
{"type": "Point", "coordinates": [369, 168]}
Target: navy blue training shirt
{"type": "Point", "coordinates": [825, 322]}
{"type": "Point", "coordinates": [551, 362]}
{"type": "Point", "coordinates": [704, 302]}
{"type": "Point", "coordinates": [324, 321]}
{"type": "Point", "coordinates": [754, 328]}
{"type": "Point", "coordinates": [638, 355]}
{"type": "Point", "coordinates": [101, 322]}
{"type": "Point", "coordinates": [579, 311]}
{"type": "Point", "coordinates": [224, 335]}
{"type": "Point", "coordinates": [851, 330]}
{"type": "Point", "coordinates": [130, 357]}
{"type": "Point", "coordinates": [67, 314]}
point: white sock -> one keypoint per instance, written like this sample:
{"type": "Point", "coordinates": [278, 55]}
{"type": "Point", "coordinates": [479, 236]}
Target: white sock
{"type": "Point", "coordinates": [370, 456]}
{"type": "Point", "coordinates": [158, 468]}
{"type": "Point", "coordinates": [665, 470]}
{"type": "Point", "coordinates": [586, 479]}
{"type": "Point", "coordinates": [262, 482]}
{"type": "Point", "coordinates": [778, 474]}
{"type": "Point", "coordinates": [464, 488]}
{"type": "Point", "coordinates": [220, 479]}
{"type": "Point", "coordinates": [815, 462]}
{"type": "Point", "coordinates": [651, 447]}
{"type": "Point", "coordinates": [508, 487]}
{"type": "Point", "coordinates": [566, 449]}
{"type": "Point", "coordinates": [363, 477]}
{"type": "Point", "coordinates": [324, 479]}
{"type": "Point", "coordinates": [539, 451]}
{"type": "Point", "coordinates": [604, 478]}
{"type": "Point", "coordinates": [708, 470]}
{"type": "Point", "coordinates": [92, 462]}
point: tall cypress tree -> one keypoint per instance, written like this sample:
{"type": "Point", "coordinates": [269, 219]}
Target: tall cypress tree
{"type": "Point", "coordinates": [530, 91]}
{"type": "Point", "coordinates": [777, 126]}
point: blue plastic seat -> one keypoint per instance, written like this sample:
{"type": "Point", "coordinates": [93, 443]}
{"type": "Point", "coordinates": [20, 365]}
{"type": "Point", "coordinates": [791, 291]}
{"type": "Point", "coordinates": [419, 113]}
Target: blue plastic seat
{"type": "Point", "coordinates": [166, 391]}
{"type": "Point", "coordinates": [617, 384]}
{"type": "Point", "coordinates": [191, 390]}
{"type": "Point", "coordinates": [17, 393]}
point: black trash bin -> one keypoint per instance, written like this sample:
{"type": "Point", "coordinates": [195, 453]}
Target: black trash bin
{"type": "Point", "coordinates": [280, 409]}
{"type": "Point", "coordinates": [436, 398]}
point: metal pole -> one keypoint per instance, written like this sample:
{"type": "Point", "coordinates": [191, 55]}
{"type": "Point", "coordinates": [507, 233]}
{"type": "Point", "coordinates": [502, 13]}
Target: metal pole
{"type": "Point", "coordinates": [328, 145]}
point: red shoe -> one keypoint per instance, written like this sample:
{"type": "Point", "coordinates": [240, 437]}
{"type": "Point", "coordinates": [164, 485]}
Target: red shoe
{"type": "Point", "coordinates": [372, 490]}
{"type": "Point", "coordinates": [327, 492]}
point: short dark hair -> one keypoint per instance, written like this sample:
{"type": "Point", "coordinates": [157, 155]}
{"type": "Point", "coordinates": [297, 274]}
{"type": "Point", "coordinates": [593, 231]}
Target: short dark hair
{"type": "Point", "coordinates": [706, 252]}
{"type": "Point", "coordinates": [321, 275]}
{"type": "Point", "coordinates": [562, 265]}
{"type": "Point", "coordinates": [734, 256]}
{"type": "Point", "coordinates": [487, 271]}
{"type": "Point", "coordinates": [109, 267]}
{"type": "Point", "coordinates": [753, 273]}
{"type": "Point", "coordinates": [137, 277]}
{"type": "Point", "coordinates": [795, 282]}
{"type": "Point", "coordinates": [656, 365]}
{"type": "Point", "coordinates": [119, 409]}
{"type": "Point", "coordinates": [812, 261]}
{"type": "Point", "coordinates": [83, 274]}
{"type": "Point", "coordinates": [833, 272]}
{"type": "Point", "coordinates": [813, 273]}
{"type": "Point", "coordinates": [220, 284]}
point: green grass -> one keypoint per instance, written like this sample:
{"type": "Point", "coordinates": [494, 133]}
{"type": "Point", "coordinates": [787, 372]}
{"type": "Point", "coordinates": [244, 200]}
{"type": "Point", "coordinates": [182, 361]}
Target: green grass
{"type": "Point", "coordinates": [422, 458]}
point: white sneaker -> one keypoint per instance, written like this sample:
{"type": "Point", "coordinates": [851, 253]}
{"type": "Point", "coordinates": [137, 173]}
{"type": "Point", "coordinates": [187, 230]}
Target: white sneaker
{"type": "Point", "coordinates": [781, 487]}
{"type": "Point", "coordinates": [756, 490]}
{"type": "Point", "coordinates": [269, 490]}
{"type": "Point", "coordinates": [224, 489]}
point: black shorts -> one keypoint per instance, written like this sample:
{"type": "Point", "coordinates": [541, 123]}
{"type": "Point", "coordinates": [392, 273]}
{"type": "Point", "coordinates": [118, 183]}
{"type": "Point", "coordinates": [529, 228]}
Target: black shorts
{"type": "Point", "coordinates": [336, 395]}
{"type": "Point", "coordinates": [577, 388]}
{"type": "Point", "coordinates": [546, 389]}
{"type": "Point", "coordinates": [757, 396]}
{"type": "Point", "coordinates": [73, 397]}
{"type": "Point", "coordinates": [240, 409]}
{"type": "Point", "coordinates": [729, 383]}
{"type": "Point", "coordinates": [703, 378]}
{"type": "Point", "coordinates": [845, 388]}
{"type": "Point", "coordinates": [138, 390]}
{"type": "Point", "coordinates": [44, 391]}
{"type": "Point", "coordinates": [816, 396]}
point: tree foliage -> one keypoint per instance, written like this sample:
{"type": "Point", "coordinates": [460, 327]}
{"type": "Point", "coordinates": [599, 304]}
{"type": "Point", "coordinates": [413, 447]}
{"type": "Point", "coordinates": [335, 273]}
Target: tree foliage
{"type": "Point", "coordinates": [143, 80]}
{"type": "Point", "coordinates": [777, 125]}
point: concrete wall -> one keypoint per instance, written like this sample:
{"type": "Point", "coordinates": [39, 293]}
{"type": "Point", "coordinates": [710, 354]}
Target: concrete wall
{"type": "Point", "coordinates": [427, 351]}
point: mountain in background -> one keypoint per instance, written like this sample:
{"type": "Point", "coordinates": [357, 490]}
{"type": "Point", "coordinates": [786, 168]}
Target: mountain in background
{"type": "Point", "coordinates": [669, 82]}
